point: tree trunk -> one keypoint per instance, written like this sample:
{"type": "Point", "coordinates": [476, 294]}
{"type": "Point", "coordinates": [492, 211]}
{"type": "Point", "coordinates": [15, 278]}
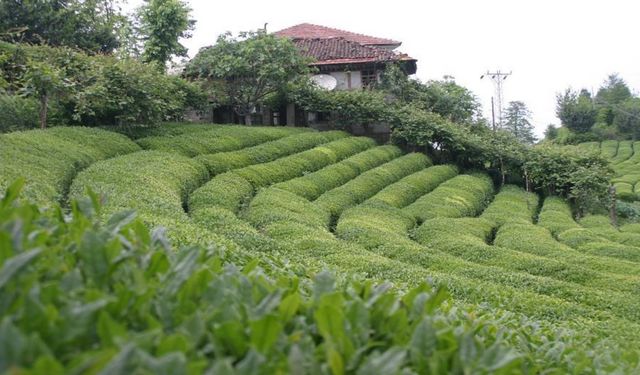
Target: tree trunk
{"type": "Point", "coordinates": [247, 120]}
{"type": "Point", "coordinates": [44, 102]}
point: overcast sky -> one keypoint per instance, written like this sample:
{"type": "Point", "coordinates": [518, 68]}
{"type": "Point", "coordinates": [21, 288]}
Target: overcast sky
{"type": "Point", "coordinates": [548, 45]}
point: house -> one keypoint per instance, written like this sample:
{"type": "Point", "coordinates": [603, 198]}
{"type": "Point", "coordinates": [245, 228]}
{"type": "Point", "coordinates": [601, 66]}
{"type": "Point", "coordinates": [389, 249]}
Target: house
{"type": "Point", "coordinates": [354, 60]}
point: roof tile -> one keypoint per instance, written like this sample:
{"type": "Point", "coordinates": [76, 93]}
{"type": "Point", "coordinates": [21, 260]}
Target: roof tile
{"type": "Point", "coordinates": [310, 31]}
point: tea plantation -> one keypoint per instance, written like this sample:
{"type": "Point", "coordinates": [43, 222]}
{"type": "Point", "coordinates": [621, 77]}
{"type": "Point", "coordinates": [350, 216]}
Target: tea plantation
{"type": "Point", "coordinates": [260, 250]}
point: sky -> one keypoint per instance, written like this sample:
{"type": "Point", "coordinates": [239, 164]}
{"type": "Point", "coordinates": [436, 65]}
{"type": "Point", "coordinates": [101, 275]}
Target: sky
{"type": "Point", "coordinates": [547, 45]}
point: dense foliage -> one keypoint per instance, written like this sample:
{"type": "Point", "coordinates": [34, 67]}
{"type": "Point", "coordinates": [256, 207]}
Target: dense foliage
{"type": "Point", "coordinates": [85, 24]}
{"type": "Point", "coordinates": [613, 113]}
{"type": "Point", "coordinates": [522, 300]}
{"type": "Point", "coordinates": [90, 90]}
{"type": "Point", "coordinates": [163, 24]}
{"type": "Point", "coordinates": [247, 69]}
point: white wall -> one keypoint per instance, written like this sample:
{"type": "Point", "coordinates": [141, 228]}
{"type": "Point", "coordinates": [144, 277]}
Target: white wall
{"type": "Point", "coordinates": [343, 77]}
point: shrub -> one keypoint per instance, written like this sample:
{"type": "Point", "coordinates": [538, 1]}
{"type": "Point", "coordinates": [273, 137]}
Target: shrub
{"type": "Point", "coordinates": [609, 149]}
{"type": "Point", "coordinates": [152, 182]}
{"type": "Point", "coordinates": [511, 204]}
{"type": "Point", "coordinates": [218, 139]}
{"type": "Point", "coordinates": [268, 151]}
{"type": "Point", "coordinates": [556, 216]}
{"type": "Point", "coordinates": [275, 205]}
{"type": "Point", "coordinates": [463, 195]}
{"type": "Point", "coordinates": [49, 159]}
{"type": "Point", "coordinates": [304, 162]}
{"type": "Point", "coordinates": [625, 150]}
{"type": "Point", "coordinates": [227, 224]}
{"type": "Point", "coordinates": [539, 241]}
{"type": "Point", "coordinates": [410, 188]}
{"type": "Point", "coordinates": [17, 113]}
{"type": "Point", "coordinates": [227, 190]}
{"type": "Point", "coordinates": [625, 191]}
{"type": "Point", "coordinates": [312, 185]}
{"type": "Point", "coordinates": [135, 305]}
{"type": "Point", "coordinates": [230, 190]}
{"type": "Point", "coordinates": [370, 182]}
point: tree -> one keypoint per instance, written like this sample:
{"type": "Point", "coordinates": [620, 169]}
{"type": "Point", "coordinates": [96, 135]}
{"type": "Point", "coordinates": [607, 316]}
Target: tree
{"type": "Point", "coordinates": [249, 68]}
{"type": "Point", "coordinates": [517, 122]}
{"type": "Point", "coordinates": [627, 117]}
{"type": "Point", "coordinates": [444, 97]}
{"type": "Point", "coordinates": [551, 132]}
{"type": "Point", "coordinates": [614, 91]}
{"type": "Point", "coordinates": [85, 24]}
{"type": "Point", "coordinates": [163, 23]}
{"type": "Point", "coordinates": [43, 81]}
{"type": "Point", "coordinates": [576, 112]}
{"type": "Point", "coordinates": [581, 177]}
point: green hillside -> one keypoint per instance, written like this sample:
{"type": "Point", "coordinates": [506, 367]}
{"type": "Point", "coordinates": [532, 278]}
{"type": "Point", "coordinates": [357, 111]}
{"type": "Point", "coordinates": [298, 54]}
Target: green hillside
{"type": "Point", "coordinates": [292, 251]}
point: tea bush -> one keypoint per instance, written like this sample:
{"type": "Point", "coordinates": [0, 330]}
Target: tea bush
{"type": "Point", "coordinates": [312, 185]}
{"type": "Point", "coordinates": [220, 138]}
{"type": "Point", "coordinates": [511, 204]}
{"type": "Point", "coordinates": [463, 195]}
{"type": "Point", "coordinates": [230, 190]}
{"type": "Point", "coordinates": [370, 182]}
{"type": "Point", "coordinates": [609, 149]}
{"type": "Point", "coordinates": [49, 159]}
{"type": "Point", "coordinates": [127, 303]}
{"type": "Point", "coordinates": [225, 161]}
{"type": "Point", "coordinates": [152, 182]}
{"type": "Point", "coordinates": [410, 188]}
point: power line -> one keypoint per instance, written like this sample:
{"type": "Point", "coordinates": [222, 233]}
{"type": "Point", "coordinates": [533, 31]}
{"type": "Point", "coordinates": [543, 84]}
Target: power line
{"type": "Point", "coordinates": [497, 78]}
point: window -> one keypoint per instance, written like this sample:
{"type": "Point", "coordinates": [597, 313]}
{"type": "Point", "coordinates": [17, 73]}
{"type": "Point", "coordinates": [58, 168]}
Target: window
{"type": "Point", "coordinates": [369, 77]}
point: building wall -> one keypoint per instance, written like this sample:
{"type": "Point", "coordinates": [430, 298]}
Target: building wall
{"type": "Point", "coordinates": [344, 77]}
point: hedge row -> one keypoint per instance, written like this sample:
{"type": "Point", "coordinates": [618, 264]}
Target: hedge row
{"type": "Point", "coordinates": [276, 205]}
{"type": "Point", "coordinates": [225, 161]}
{"type": "Point", "coordinates": [155, 184]}
{"type": "Point", "coordinates": [609, 149]}
{"type": "Point", "coordinates": [511, 204]}
{"type": "Point", "coordinates": [367, 184]}
{"type": "Point", "coordinates": [230, 190]}
{"type": "Point", "coordinates": [412, 187]}
{"type": "Point", "coordinates": [630, 228]}
{"type": "Point", "coordinates": [539, 241]}
{"type": "Point", "coordinates": [152, 182]}
{"type": "Point", "coordinates": [49, 159]}
{"type": "Point", "coordinates": [556, 217]}
{"type": "Point", "coordinates": [379, 228]}
{"type": "Point", "coordinates": [520, 237]}
{"type": "Point", "coordinates": [463, 195]}
{"type": "Point", "coordinates": [221, 138]}
{"type": "Point", "coordinates": [304, 162]}
{"type": "Point", "coordinates": [312, 185]}
{"type": "Point", "coordinates": [296, 229]}
{"type": "Point", "coordinates": [601, 225]}
{"type": "Point", "coordinates": [224, 222]}
{"type": "Point", "coordinates": [625, 150]}
{"type": "Point", "coordinates": [525, 271]}
{"type": "Point", "coordinates": [124, 302]}
{"type": "Point", "coordinates": [592, 147]}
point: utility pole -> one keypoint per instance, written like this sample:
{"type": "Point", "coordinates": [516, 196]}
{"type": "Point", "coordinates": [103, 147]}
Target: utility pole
{"type": "Point", "coordinates": [497, 78]}
{"type": "Point", "coordinates": [493, 116]}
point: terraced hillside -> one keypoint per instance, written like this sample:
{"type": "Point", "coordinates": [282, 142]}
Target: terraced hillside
{"type": "Point", "coordinates": [564, 292]}
{"type": "Point", "coordinates": [624, 157]}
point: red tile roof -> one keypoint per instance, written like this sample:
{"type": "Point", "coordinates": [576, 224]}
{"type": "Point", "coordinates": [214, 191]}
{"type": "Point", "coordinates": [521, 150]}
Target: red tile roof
{"type": "Point", "coordinates": [343, 51]}
{"type": "Point", "coordinates": [310, 31]}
